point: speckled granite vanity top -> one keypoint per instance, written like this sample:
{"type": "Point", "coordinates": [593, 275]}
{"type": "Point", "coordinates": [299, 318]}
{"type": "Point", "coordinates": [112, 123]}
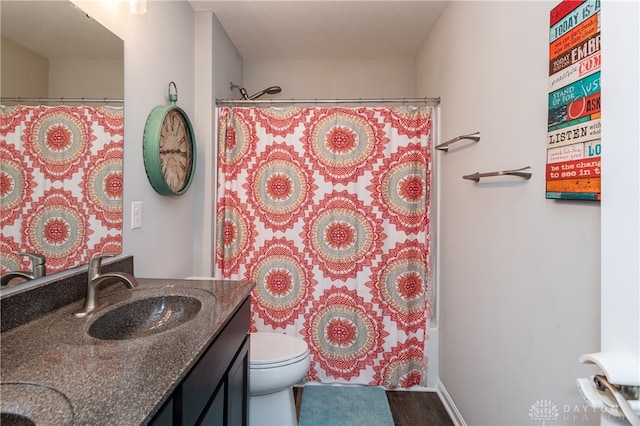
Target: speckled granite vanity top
{"type": "Point", "coordinates": [69, 374]}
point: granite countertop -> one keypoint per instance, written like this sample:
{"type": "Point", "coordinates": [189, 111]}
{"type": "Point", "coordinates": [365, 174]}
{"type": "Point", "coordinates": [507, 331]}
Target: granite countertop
{"type": "Point", "coordinates": [62, 373]}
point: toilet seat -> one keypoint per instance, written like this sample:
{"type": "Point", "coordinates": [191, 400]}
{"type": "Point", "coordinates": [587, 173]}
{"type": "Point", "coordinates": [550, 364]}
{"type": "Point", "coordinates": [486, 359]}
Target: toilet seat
{"type": "Point", "coordinates": [271, 350]}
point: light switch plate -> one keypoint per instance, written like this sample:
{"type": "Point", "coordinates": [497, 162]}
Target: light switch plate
{"type": "Point", "coordinates": [136, 214]}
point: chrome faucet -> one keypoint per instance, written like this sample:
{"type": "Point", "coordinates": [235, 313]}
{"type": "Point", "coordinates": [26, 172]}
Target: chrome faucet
{"type": "Point", "coordinates": [96, 279]}
{"type": "Point", "coordinates": [38, 269]}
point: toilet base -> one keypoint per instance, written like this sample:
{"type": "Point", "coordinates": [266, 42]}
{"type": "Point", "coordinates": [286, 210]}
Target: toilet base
{"type": "Point", "coordinates": [273, 409]}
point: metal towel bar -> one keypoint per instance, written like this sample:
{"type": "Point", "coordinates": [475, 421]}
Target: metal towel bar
{"type": "Point", "coordinates": [445, 145]}
{"type": "Point", "coordinates": [524, 173]}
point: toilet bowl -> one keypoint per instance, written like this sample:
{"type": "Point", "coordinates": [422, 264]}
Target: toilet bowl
{"type": "Point", "coordinates": [276, 362]}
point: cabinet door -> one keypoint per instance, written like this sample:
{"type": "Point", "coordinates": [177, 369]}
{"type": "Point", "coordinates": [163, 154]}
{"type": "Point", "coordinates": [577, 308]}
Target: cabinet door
{"type": "Point", "coordinates": [216, 391]}
{"type": "Point", "coordinates": [238, 388]}
{"type": "Point", "coordinates": [215, 414]}
{"type": "Point", "coordinates": [164, 417]}
{"type": "Point", "coordinates": [230, 403]}
{"type": "Point", "coordinates": [198, 388]}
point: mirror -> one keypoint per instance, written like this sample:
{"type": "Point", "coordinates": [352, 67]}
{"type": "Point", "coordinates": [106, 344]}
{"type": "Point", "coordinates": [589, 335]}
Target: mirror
{"type": "Point", "coordinates": [61, 138]}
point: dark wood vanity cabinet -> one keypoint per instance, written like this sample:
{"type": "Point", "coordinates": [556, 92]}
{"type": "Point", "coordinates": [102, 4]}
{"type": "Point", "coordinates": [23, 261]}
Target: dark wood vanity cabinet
{"type": "Point", "coordinates": [216, 391]}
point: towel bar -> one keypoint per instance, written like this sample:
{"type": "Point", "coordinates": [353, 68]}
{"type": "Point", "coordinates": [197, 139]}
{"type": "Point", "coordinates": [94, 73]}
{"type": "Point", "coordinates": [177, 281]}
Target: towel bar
{"type": "Point", "coordinates": [445, 145]}
{"type": "Point", "coordinates": [524, 173]}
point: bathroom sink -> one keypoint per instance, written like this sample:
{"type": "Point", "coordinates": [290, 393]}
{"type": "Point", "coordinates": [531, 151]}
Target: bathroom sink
{"type": "Point", "coordinates": [33, 404]}
{"type": "Point", "coordinates": [15, 420]}
{"type": "Point", "coordinates": [144, 317]}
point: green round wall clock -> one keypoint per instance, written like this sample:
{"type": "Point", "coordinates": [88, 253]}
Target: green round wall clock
{"type": "Point", "coordinates": [169, 148]}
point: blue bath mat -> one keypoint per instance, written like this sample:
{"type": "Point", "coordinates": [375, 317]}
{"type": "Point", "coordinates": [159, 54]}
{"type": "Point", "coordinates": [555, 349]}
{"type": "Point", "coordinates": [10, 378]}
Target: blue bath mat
{"type": "Point", "coordinates": [325, 405]}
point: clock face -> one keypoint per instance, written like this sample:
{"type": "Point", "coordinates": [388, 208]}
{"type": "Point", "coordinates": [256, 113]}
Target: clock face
{"type": "Point", "coordinates": [176, 150]}
{"type": "Point", "coordinates": [169, 150]}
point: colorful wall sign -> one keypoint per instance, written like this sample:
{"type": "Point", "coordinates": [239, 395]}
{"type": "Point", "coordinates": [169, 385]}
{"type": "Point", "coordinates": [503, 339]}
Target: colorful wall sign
{"type": "Point", "coordinates": [573, 128]}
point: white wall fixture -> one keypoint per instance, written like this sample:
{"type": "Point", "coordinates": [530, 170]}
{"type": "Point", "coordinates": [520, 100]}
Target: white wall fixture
{"type": "Point", "coordinates": [524, 173]}
{"type": "Point", "coordinates": [136, 214]}
{"type": "Point", "coordinates": [616, 390]}
{"type": "Point", "coordinates": [444, 146]}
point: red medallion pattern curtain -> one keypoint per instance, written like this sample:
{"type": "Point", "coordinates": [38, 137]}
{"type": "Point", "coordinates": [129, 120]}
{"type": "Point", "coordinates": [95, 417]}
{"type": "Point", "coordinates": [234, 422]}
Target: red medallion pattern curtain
{"type": "Point", "coordinates": [60, 184]}
{"type": "Point", "coordinates": [327, 209]}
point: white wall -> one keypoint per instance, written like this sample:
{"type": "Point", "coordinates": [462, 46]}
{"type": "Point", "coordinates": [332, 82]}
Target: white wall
{"type": "Point", "coordinates": [28, 74]}
{"type": "Point", "coordinates": [519, 274]}
{"type": "Point", "coordinates": [159, 48]}
{"type": "Point", "coordinates": [217, 64]}
{"type": "Point", "coordinates": [24, 72]}
{"type": "Point", "coordinates": [621, 200]}
{"type": "Point", "coordinates": [170, 43]}
{"type": "Point", "coordinates": [331, 79]}
{"type": "Point", "coordinates": [78, 78]}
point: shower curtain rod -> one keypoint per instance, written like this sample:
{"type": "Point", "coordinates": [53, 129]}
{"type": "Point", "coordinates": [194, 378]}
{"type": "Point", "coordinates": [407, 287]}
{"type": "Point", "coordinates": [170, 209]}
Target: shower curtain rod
{"type": "Point", "coordinates": [61, 99]}
{"type": "Point", "coordinates": [428, 101]}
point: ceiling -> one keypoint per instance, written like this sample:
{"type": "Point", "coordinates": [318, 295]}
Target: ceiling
{"type": "Point", "coordinates": [71, 35]}
{"type": "Point", "coordinates": [329, 29]}
{"type": "Point", "coordinates": [260, 29]}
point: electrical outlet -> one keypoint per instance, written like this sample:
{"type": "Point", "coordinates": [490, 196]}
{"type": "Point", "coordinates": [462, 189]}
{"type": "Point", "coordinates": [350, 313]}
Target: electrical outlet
{"type": "Point", "coordinates": [136, 214]}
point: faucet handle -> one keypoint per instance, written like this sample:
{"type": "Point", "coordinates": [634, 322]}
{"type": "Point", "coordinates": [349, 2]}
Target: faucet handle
{"type": "Point", "coordinates": [38, 264]}
{"type": "Point", "coordinates": [96, 261]}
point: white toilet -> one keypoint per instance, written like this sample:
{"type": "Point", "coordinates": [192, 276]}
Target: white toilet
{"type": "Point", "coordinates": [276, 362]}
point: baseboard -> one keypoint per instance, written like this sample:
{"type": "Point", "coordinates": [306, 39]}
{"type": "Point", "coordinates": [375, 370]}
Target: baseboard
{"type": "Point", "coordinates": [450, 406]}
{"type": "Point", "coordinates": [415, 389]}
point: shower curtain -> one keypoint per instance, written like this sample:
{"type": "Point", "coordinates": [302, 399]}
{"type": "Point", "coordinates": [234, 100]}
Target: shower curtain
{"type": "Point", "coordinates": [327, 209]}
{"type": "Point", "coordinates": [60, 183]}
